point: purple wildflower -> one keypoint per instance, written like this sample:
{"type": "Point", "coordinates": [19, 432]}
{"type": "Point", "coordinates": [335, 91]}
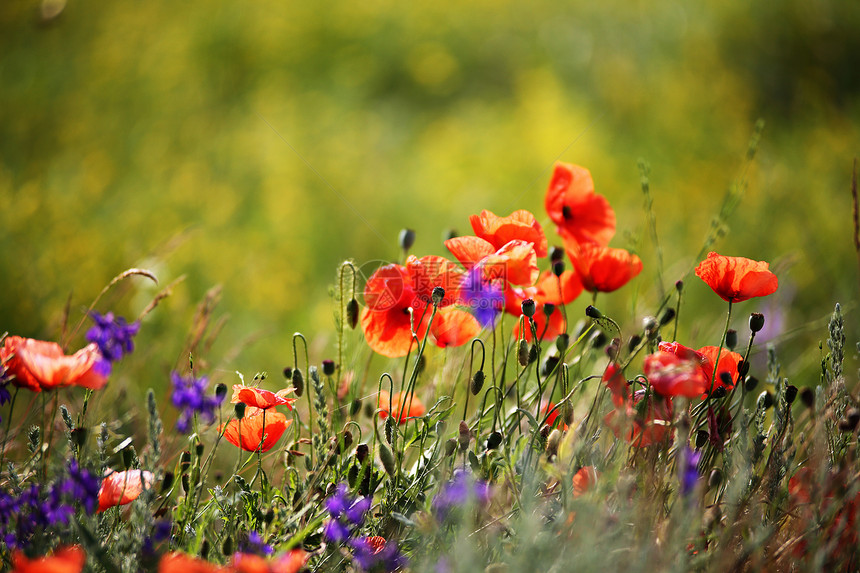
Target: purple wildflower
{"type": "Point", "coordinates": [485, 298]}
{"type": "Point", "coordinates": [459, 491]}
{"type": "Point", "coordinates": [688, 469]}
{"type": "Point", "coordinates": [335, 531]}
{"type": "Point", "coordinates": [346, 513]}
{"type": "Point", "coordinates": [113, 335]}
{"type": "Point", "coordinates": [255, 544]}
{"type": "Point", "coordinates": [190, 396]}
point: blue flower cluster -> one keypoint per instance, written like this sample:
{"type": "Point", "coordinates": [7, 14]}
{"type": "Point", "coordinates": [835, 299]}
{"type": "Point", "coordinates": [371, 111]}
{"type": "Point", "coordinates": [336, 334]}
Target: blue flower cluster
{"type": "Point", "coordinates": [456, 493]}
{"type": "Point", "coordinates": [113, 336]}
{"type": "Point", "coordinates": [688, 469]}
{"type": "Point", "coordinates": [37, 509]}
{"type": "Point", "coordinates": [190, 396]}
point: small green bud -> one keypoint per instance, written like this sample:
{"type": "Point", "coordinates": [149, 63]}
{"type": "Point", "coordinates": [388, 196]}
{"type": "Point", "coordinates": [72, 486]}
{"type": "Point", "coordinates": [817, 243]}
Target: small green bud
{"type": "Point", "coordinates": [477, 382]}
{"type": "Point", "coordinates": [352, 313]}
{"type": "Point", "coordinates": [387, 459]}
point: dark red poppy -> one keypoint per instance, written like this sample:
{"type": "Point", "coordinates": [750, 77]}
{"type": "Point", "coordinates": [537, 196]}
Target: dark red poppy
{"type": "Point", "coordinates": [614, 379]}
{"type": "Point", "coordinates": [736, 279]}
{"type": "Point", "coordinates": [603, 269]}
{"type": "Point", "coordinates": [38, 365]}
{"type": "Point", "coordinates": [520, 225]}
{"type": "Point", "coordinates": [581, 215]}
{"type": "Point", "coordinates": [120, 488]}
{"type": "Point", "coordinates": [263, 399]}
{"type": "Point", "coordinates": [412, 408]}
{"type": "Point", "coordinates": [670, 375]}
{"type": "Point", "coordinates": [69, 559]}
{"type": "Point", "coordinates": [257, 430]}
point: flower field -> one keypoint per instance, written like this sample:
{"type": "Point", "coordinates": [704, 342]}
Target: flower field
{"type": "Point", "coordinates": [512, 426]}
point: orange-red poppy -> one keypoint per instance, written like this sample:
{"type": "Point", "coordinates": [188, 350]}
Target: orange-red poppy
{"type": "Point", "coordinates": [552, 417]}
{"type": "Point", "coordinates": [584, 480]}
{"type": "Point", "coordinates": [412, 408]}
{"type": "Point", "coordinates": [260, 398]}
{"type": "Point", "coordinates": [670, 375]}
{"type": "Point", "coordinates": [603, 269]}
{"type": "Point", "coordinates": [519, 225]}
{"type": "Point", "coordinates": [728, 363]}
{"type": "Point", "coordinates": [399, 298]}
{"type": "Point", "coordinates": [181, 563]}
{"type": "Point", "coordinates": [376, 542]}
{"type": "Point", "coordinates": [617, 384]}
{"type": "Point", "coordinates": [736, 279]}
{"type": "Point", "coordinates": [581, 215]}
{"type": "Point", "coordinates": [257, 430]}
{"type": "Point", "coordinates": [515, 262]}
{"type": "Point", "coordinates": [642, 425]}
{"type": "Point", "coordinates": [38, 365]}
{"type": "Point", "coordinates": [120, 488]}
{"type": "Point", "coordinates": [548, 290]}
{"type": "Point", "coordinates": [548, 328]}
{"type": "Point", "coordinates": [290, 562]}
{"type": "Point", "coordinates": [70, 559]}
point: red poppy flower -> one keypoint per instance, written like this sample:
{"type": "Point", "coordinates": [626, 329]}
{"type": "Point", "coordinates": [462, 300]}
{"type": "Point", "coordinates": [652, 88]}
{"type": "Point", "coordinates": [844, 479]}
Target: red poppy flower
{"type": "Point", "coordinates": [617, 384]}
{"type": "Point", "coordinates": [603, 269]}
{"type": "Point", "coordinates": [39, 365]}
{"type": "Point", "coordinates": [515, 262]}
{"type": "Point", "coordinates": [728, 363]}
{"type": "Point", "coordinates": [548, 287]}
{"type": "Point", "coordinates": [581, 215]}
{"type": "Point", "coordinates": [736, 279]}
{"type": "Point", "coordinates": [552, 417]}
{"type": "Point", "coordinates": [249, 432]}
{"type": "Point", "coordinates": [120, 488]}
{"type": "Point", "coordinates": [70, 559]}
{"type": "Point", "coordinates": [547, 329]}
{"type": "Point", "coordinates": [377, 543]}
{"type": "Point", "coordinates": [670, 375]}
{"type": "Point", "coordinates": [519, 225]}
{"type": "Point", "coordinates": [394, 289]}
{"type": "Point", "coordinates": [642, 425]}
{"type": "Point", "coordinates": [413, 408]}
{"type": "Point", "coordinates": [290, 562]}
{"type": "Point", "coordinates": [181, 563]}
{"type": "Point", "coordinates": [584, 480]}
{"type": "Point", "coordinates": [260, 398]}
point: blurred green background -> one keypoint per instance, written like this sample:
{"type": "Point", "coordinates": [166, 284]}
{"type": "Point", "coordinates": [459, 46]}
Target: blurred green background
{"type": "Point", "coordinates": [257, 145]}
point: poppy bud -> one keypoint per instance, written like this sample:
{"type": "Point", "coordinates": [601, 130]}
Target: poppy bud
{"type": "Point", "coordinates": [751, 383]}
{"type": "Point", "coordinates": [186, 483]}
{"type": "Point", "coordinates": [389, 429]}
{"type": "Point", "coordinates": [204, 549]}
{"type": "Point", "coordinates": [494, 440]}
{"type": "Point", "coordinates": [533, 353]}
{"type": "Point", "coordinates": [355, 407]}
{"type": "Point", "coordinates": [528, 307]}
{"type": "Point", "coordinates": [352, 475]}
{"type": "Point", "coordinates": [667, 316]}
{"type": "Point", "coordinates": [386, 458]}
{"type": "Point", "coordinates": [562, 342]}
{"type": "Point", "coordinates": [437, 295]}
{"type": "Point", "coordinates": [790, 394]}
{"type": "Point", "coordinates": [220, 391]}
{"type": "Point", "coordinates": [227, 546]}
{"type": "Point", "coordinates": [807, 396]}
{"type": "Point", "coordinates": [592, 312]}
{"type": "Point", "coordinates": [679, 286]}
{"type": "Point", "coordinates": [567, 412]}
{"type": "Point", "coordinates": [523, 352]}
{"type": "Point", "coordinates": [167, 481]}
{"type": "Point", "coordinates": [198, 449]}
{"type": "Point", "coordinates": [731, 339]}
{"type": "Point", "coordinates": [743, 367]}
{"type": "Point", "coordinates": [352, 313]}
{"type": "Point", "coordinates": [450, 234]}
{"type": "Point", "coordinates": [715, 478]}
{"type": "Point", "coordinates": [701, 438]}
{"type": "Point", "coordinates": [465, 436]}
{"type": "Point", "coordinates": [128, 457]}
{"type": "Point", "coordinates": [239, 410]}
{"type": "Point", "coordinates": [756, 321]}
{"type": "Point", "coordinates": [556, 254]}
{"type": "Point", "coordinates": [544, 433]}
{"type": "Point", "coordinates": [298, 382]}
{"type": "Point", "coordinates": [477, 382]}
{"type": "Point", "coordinates": [345, 440]}
{"type": "Point", "coordinates": [450, 446]}
{"type": "Point", "coordinates": [765, 400]}
{"type": "Point", "coordinates": [720, 391]}
{"type": "Point", "coordinates": [552, 443]}
{"type": "Point", "coordinates": [650, 325]}
{"type": "Point", "coordinates": [184, 461]}
{"type": "Point", "coordinates": [328, 367]}
{"type": "Point", "coordinates": [406, 239]}
{"type": "Point", "coordinates": [598, 339]}
{"type": "Point", "coordinates": [288, 372]}
{"type": "Point", "coordinates": [549, 364]}
{"type": "Point", "coordinates": [361, 452]}
{"type": "Point", "coordinates": [558, 268]}
{"type": "Point", "coordinates": [548, 309]}
{"type": "Point", "coordinates": [633, 342]}
{"type": "Point", "coordinates": [612, 348]}
{"type": "Point", "coordinates": [79, 436]}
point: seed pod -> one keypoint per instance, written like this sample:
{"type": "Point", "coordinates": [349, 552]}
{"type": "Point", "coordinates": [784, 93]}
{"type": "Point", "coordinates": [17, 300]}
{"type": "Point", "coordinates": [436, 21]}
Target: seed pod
{"type": "Point", "coordinates": [731, 339]}
{"type": "Point", "coordinates": [167, 481]}
{"type": "Point", "coordinates": [450, 446]}
{"type": "Point", "coordinates": [184, 461]}
{"type": "Point", "coordinates": [239, 410]}
{"type": "Point", "coordinates": [494, 440]}
{"type": "Point", "coordinates": [361, 452]}
{"type": "Point", "coordinates": [751, 383]}
{"type": "Point", "coordinates": [701, 438]}
{"type": "Point", "coordinates": [355, 407]}
{"type": "Point", "coordinates": [533, 353]}
{"type": "Point", "coordinates": [298, 382]}
{"type": "Point", "coordinates": [562, 342]}
{"type": "Point", "coordinates": [552, 443]}
{"type": "Point", "coordinates": [528, 307]}
{"type": "Point", "coordinates": [387, 459]}
{"type": "Point", "coordinates": [548, 309]}
{"type": "Point", "coordinates": [437, 295]}
{"type": "Point", "coordinates": [523, 352]}
{"type": "Point", "coordinates": [592, 312]}
{"type": "Point", "coordinates": [389, 429]}
{"type": "Point", "coordinates": [667, 316]}
{"type": "Point", "coordinates": [186, 483]}
{"type": "Point", "coordinates": [549, 365]}
{"type": "Point", "coordinates": [220, 391]}
{"type": "Point", "coordinates": [790, 394]}
{"type": "Point", "coordinates": [352, 313]}
{"type": "Point", "coordinates": [756, 321]}
{"type": "Point", "coordinates": [556, 254]}
{"type": "Point", "coordinates": [477, 382]}
{"type": "Point", "coordinates": [558, 268]}
{"type": "Point", "coordinates": [288, 372]}
{"type": "Point", "coordinates": [328, 367]}
{"type": "Point", "coordinates": [465, 436]}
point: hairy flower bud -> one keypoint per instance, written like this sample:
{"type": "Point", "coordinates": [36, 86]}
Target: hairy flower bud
{"type": "Point", "coordinates": [464, 437]}
{"type": "Point", "coordinates": [477, 382]}
{"type": "Point", "coordinates": [386, 458]}
{"type": "Point", "coordinates": [298, 382]}
{"type": "Point", "coordinates": [406, 239]}
{"type": "Point", "coordinates": [352, 313]}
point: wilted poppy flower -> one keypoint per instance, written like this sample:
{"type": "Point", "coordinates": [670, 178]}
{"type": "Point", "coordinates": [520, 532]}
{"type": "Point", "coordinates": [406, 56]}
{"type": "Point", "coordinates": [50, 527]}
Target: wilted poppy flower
{"type": "Point", "coordinates": [520, 225]}
{"type": "Point", "coordinates": [642, 423]}
{"type": "Point", "coordinates": [412, 408]}
{"type": "Point", "coordinates": [181, 563]}
{"type": "Point", "coordinates": [120, 488]}
{"type": "Point", "coordinates": [736, 279]}
{"type": "Point", "coordinates": [584, 480]}
{"type": "Point", "coordinates": [260, 398]}
{"type": "Point", "coordinates": [581, 215]}
{"type": "Point", "coordinates": [603, 269]}
{"type": "Point", "coordinates": [70, 559]}
{"type": "Point", "coordinates": [38, 365]}
{"type": "Point", "coordinates": [670, 375]}
{"type": "Point", "coordinates": [398, 296]}
{"type": "Point", "coordinates": [248, 433]}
